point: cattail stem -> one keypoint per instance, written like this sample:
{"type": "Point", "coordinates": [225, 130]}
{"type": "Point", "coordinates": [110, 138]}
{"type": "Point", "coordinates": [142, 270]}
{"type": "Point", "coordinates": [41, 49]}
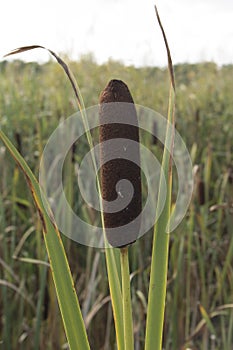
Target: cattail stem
{"type": "Point", "coordinates": [126, 296]}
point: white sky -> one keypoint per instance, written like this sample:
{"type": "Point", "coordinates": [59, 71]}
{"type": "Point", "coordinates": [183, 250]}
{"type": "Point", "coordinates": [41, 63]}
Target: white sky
{"type": "Point", "coordinates": [125, 30]}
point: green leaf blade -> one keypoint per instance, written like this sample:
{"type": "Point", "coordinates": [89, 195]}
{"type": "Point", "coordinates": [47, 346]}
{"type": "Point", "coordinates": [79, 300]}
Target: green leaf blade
{"type": "Point", "coordinates": [66, 294]}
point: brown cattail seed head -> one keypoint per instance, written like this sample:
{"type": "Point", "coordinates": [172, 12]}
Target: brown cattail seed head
{"type": "Point", "coordinates": [73, 150]}
{"type": "Point", "coordinates": [18, 139]}
{"type": "Point", "coordinates": [201, 192]}
{"type": "Point", "coordinates": [115, 167]}
{"type": "Point", "coordinates": [230, 175]}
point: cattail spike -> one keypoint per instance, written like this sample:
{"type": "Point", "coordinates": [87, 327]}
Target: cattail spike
{"type": "Point", "coordinates": [18, 139]}
{"type": "Point", "coordinates": [118, 167]}
{"type": "Point", "coordinates": [201, 192]}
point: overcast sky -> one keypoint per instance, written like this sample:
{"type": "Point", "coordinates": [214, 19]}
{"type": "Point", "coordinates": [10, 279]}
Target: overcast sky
{"type": "Point", "coordinates": [124, 30]}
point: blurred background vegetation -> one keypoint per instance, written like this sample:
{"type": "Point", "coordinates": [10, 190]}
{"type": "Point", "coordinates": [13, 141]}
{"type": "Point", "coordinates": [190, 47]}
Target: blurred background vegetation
{"type": "Point", "coordinates": [34, 98]}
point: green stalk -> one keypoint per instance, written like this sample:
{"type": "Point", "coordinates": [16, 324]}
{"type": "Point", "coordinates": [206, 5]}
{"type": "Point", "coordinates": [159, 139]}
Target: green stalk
{"type": "Point", "coordinates": [159, 263]}
{"type": "Point", "coordinates": [127, 308]}
{"type": "Point", "coordinates": [116, 296]}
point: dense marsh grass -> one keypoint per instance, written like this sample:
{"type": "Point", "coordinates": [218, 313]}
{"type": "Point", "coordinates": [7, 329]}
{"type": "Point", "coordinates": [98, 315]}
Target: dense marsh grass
{"type": "Point", "coordinates": [199, 311]}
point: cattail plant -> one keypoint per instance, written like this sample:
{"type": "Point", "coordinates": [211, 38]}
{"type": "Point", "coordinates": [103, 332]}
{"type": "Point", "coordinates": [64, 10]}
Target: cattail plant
{"type": "Point", "coordinates": [200, 185]}
{"type": "Point", "coordinates": [230, 175]}
{"type": "Point", "coordinates": [201, 191]}
{"type": "Point", "coordinates": [115, 103]}
{"type": "Point", "coordinates": [18, 139]}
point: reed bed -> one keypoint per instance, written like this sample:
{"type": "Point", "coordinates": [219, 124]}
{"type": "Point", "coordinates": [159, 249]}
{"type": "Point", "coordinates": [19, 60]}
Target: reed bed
{"type": "Point", "coordinates": [199, 304]}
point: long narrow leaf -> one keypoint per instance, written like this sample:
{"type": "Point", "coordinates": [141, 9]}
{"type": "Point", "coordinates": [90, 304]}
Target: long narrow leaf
{"type": "Point", "coordinates": [113, 277]}
{"type": "Point", "coordinates": [67, 297]}
{"type": "Point", "coordinates": [159, 263]}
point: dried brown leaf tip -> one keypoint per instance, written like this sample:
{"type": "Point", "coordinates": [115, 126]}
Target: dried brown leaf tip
{"type": "Point", "coordinates": [120, 161]}
{"type": "Point", "coordinates": [199, 185]}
